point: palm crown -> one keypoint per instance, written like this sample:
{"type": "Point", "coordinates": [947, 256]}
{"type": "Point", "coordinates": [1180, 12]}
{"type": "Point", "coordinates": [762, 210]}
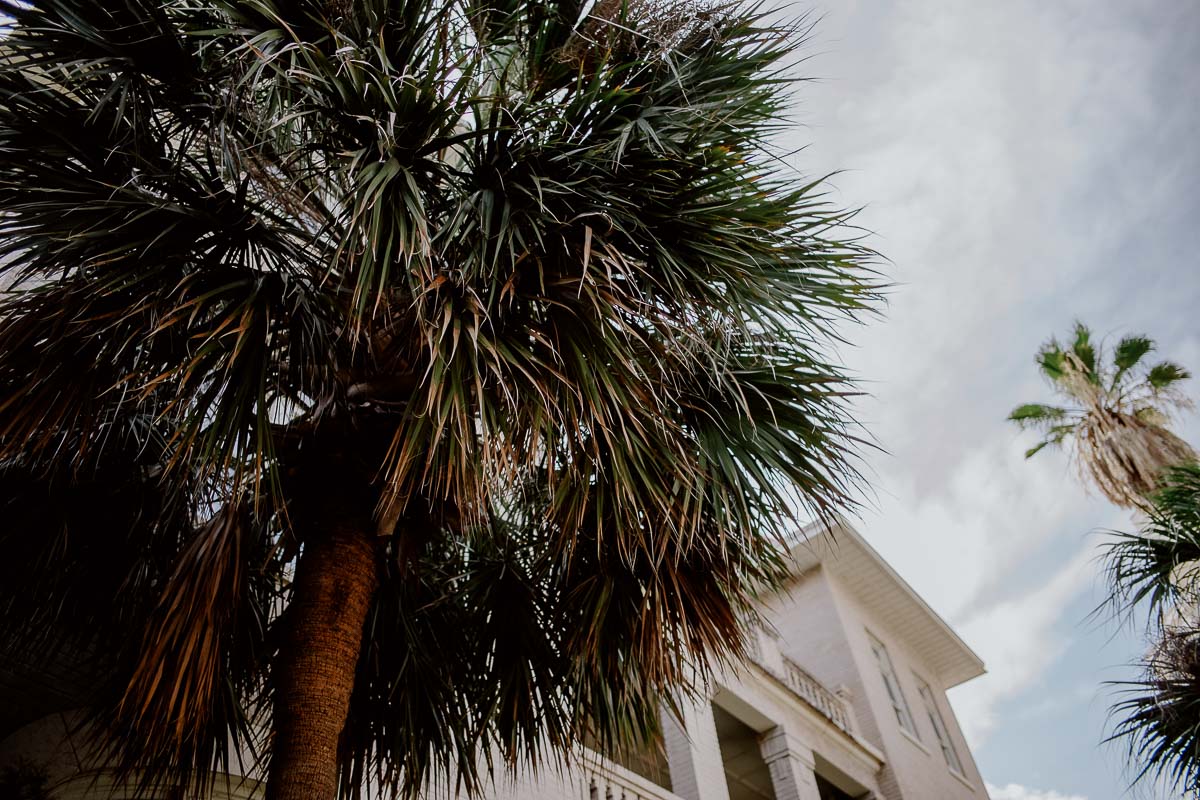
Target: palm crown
{"type": "Point", "coordinates": [498, 323]}
{"type": "Point", "coordinates": [1116, 414]}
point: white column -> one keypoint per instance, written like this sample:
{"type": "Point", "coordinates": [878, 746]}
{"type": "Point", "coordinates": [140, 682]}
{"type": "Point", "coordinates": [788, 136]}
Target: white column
{"type": "Point", "coordinates": [693, 752]}
{"type": "Point", "coordinates": [791, 765]}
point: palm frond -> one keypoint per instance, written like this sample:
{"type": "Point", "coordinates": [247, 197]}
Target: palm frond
{"type": "Point", "coordinates": [188, 707]}
{"type": "Point", "coordinates": [1037, 415]}
{"type": "Point", "coordinates": [1127, 354]}
{"type": "Point", "coordinates": [1158, 716]}
{"type": "Point", "coordinates": [1054, 437]}
{"type": "Point", "coordinates": [1054, 423]}
{"type": "Point", "coordinates": [1050, 360]}
{"type": "Point", "coordinates": [1083, 350]}
{"type": "Point", "coordinates": [1166, 374]}
{"type": "Point", "coordinates": [1154, 565]}
{"type": "Point", "coordinates": [523, 656]}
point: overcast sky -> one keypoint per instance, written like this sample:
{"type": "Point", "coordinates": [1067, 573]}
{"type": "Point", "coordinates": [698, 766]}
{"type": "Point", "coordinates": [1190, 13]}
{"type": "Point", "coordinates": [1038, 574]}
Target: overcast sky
{"type": "Point", "coordinates": [1022, 164]}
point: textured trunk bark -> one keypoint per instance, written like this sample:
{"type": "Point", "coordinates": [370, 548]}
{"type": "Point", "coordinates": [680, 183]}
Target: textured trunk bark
{"type": "Point", "coordinates": [336, 579]}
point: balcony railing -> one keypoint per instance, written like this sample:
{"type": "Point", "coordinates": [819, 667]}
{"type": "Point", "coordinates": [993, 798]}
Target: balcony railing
{"type": "Point", "coordinates": [764, 651]}
{"type": "Point", "coordinates": [604, 780]}
{"type": "Point", "coordinates": [816, 695]}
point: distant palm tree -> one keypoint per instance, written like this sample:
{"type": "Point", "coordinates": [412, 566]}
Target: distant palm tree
{"type": "Point", "coordinates": [1116, 414]}
{"type": "Point", "coordinates": [1158, 569]}
{"type": "Point", "coordinates": [419, 382]}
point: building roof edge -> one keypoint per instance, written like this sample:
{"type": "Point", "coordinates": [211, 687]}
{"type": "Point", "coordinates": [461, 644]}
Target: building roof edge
{"type": "Point", "coordinates": [841, 549]}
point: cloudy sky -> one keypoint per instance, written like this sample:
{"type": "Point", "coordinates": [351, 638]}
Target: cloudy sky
{"type": "Point", "coordinates": [1022, 164]}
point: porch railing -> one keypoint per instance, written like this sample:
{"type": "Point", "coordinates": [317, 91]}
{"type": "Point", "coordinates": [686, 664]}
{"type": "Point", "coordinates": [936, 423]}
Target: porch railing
{"type": "Point", "coordinates": [604, 780]}
{"type": "Point", "coordinates": [834, 708]}
{"type": "Point", "coordinates": [764, 651]}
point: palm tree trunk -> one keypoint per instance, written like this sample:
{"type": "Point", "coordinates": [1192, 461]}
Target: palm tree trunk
{"type": "Point", "coordinates": [336, 579]}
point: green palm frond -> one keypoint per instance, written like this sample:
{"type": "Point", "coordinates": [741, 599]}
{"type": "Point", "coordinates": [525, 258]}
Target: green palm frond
{"type": "Point", "coordinates": [1127, 354]}
{"type": "Point", "coordinates": [517, 650]}
{"type": "Point", "coordinates": [1166, 374]}
{"type": "Point", "coordinates": [1055, 424]}
{"type": "Point", "coordinates": [1054, 435]}
{"type": "Point", "coordinates": [1037, 415]}
{"type": "Point", "coordinates": [1130, 350]}
{"type": "Point", "coordinates": [1083, 350]}
{"type": "Point", "coordinates": [1152, 564]}
{"type": "Point", "coordinates": [1051, 360]}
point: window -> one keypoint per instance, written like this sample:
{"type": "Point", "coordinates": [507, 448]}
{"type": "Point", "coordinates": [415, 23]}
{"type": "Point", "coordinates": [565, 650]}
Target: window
{"type": "Point", "coordinates": [939, 726]}
{"type": "Point", "coordinates": [895, 693]}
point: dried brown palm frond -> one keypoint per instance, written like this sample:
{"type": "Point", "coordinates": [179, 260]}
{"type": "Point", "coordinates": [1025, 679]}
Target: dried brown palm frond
{"type": "Point", "coordinates": [1117, 415]}
{"type": "Point", "coordinates": [1124, 455]}
{"type": "Point", "coordinates": [210, 623]}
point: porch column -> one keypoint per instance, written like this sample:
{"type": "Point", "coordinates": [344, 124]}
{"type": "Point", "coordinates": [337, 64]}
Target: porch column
{"type": "Point", "coordinates": [694, 754]}
{"type": "Point", "coordinates": [791, 765]}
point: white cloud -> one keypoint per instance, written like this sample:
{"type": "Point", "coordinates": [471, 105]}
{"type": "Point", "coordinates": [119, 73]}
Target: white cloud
{"type": "Point", "coordinates": [1014, 791]}
{"type": "Point", "coordinates": [1018, 639]}
{"type": "Point", "coordinates": [993, 511]}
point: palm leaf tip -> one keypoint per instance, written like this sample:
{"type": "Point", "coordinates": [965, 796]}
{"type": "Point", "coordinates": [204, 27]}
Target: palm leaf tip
{"type": "Point", "coordinates": [1084, 350]}
{"type": "Point", "coordinates": [1036, 413]}
{"type": "Point", "coordinates": [1166, 374]}
{"type": "Point", "coordinates": [1050, 359]}
{"type": "Point", "coordinates": [1053, 423]}
{"type": "Point", "coordinates": [1130, 350]}
{"type": "Point", "coordinates": [1037, 448]}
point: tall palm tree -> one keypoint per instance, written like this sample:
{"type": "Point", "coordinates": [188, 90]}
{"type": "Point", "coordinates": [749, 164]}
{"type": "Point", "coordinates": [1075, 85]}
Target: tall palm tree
{"type": "Point", "coordinates": [408, 388]}
{"type": "Point", "coordinates": [1116, 414]}
{"type": "Point", "coordinates": [1116, 420]}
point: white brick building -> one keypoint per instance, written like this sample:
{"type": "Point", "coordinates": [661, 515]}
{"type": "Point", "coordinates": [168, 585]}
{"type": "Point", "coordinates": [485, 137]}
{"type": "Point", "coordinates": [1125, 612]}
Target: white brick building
{"type": "Point", "coordinates": [846, 698]}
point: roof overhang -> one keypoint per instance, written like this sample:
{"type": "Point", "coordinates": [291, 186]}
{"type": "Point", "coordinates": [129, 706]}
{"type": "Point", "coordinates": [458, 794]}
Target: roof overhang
{"type": "Point", "coordinates": [841, 550]}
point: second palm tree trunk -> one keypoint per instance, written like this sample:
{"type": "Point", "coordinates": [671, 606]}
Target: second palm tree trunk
{"type": "Point", "coordinates": [336, 579]}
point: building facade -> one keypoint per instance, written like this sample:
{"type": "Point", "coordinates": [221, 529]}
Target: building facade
{"type": "Point", "coordinates": [844, 698]}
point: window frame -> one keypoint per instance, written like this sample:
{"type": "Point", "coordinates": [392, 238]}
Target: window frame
{"type": "Point", "coordinates": [891, 684]}
{"type": "Point", "coordinates": [941, 731]}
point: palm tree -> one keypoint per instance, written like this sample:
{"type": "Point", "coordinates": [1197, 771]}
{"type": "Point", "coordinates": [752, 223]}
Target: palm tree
{"type": "Point", "coordinates": [407, 388]}
{"type": "Point", "coordinates": [1115, 415]}
{"type": "Point", "coordinates": [1158, 569]}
